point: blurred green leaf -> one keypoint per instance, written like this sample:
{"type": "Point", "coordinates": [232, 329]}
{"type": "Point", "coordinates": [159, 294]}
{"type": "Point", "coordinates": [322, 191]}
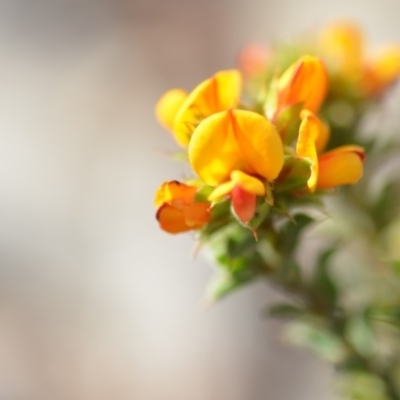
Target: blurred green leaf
{"type": "Point", "coordinates": [386, 205]}
{"type": "Point", "coordinates": [290, 232]}
{"type": "Point", "coordinates": [285, 310]}
{"type": "Point", "coordinates": [360, 336]}
{"type": "Point", "coordinates": [319, 340]}
{"type": "Point", "coordinates": [323, 286]}
{"type": "Point", "coordinates": [361, 386]}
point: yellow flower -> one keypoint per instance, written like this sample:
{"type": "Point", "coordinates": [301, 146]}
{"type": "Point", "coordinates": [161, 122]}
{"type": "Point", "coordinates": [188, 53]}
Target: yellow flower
{"type": "Point", "coordinates": [176, 210]}
{"type": "Point", "coordinates": [343, 42]}
{"type": "Point", "coordinates": [305, 81]}
{"type": "Point", "coordinates": [181, 112]}
{"type": "Point", "coordinates": [382, 71]}
{"type": "Point", "coordinates": [343, 45]}
{"type": "Point", "coordinates": [340, 166]}
{"type": "Point", "coordinates": [236, 151]}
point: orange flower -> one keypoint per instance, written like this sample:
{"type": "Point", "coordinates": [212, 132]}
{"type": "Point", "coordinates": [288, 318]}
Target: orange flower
{"type": "Point", "coordinates": [253, 59]}
{"type": "Point", "coordinates": [181, 112]}
{"type": "Point", "coordinates": [340, 166]}
{"type": "Point", "coordinates": [305, 81]}
{"type": "Point", "coordinates": [236, 151]}
{"type": "Point", "coordinates": [176, 209]}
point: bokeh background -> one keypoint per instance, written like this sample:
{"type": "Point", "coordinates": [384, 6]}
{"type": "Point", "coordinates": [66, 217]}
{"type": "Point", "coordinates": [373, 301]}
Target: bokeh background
{"type": "Point", "coordinates": [95, 301]}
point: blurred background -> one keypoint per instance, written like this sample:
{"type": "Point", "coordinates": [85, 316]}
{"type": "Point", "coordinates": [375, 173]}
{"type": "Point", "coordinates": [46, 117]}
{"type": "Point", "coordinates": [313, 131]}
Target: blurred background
{"type": "Point", "coordinates": [95, 301]}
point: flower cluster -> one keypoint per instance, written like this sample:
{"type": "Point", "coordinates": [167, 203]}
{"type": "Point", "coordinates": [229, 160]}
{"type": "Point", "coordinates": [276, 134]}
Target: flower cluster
{"type": "Point", "coordinates": [243, 154]}
{"type": "Point", "coordinates": [258, 136]}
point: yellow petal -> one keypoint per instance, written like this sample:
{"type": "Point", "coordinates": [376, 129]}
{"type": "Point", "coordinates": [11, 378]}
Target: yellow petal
{"type": "Point", "coordinates": [305, 81]}
{"type": "Point", "coordinates": [341, 166]}
{"type": "Point", "coordinates": [305, 147]}
{"type": "Point", "coordinates": [168, 106]}
{"type": "Point", "coordinates": [221, 191]}
{"type": "Point", "coordinates": [218, 93]}
{"type": "Point", "coordinates": [213, 151]}
{"type": "Point", "coordinates": [248, 183]}
{"type": "Point", "coordinates": [259, 144]}
{"type": "Point", "coordinates": [235, 140]}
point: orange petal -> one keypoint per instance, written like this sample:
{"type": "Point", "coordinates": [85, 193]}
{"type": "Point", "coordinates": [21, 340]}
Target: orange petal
{"type": "Point", "coordinates": [243, 203]}
{"type": "Point", "coordinates": [176, 220]}
{"type": "Point", "coordinates": [218, 93]}
{"type": "Point", "coordinates": [305, 81]}
{"type": "Point", "coordinates": [172, 219]}
{"type": "Point", "coordinates": [197, 214]}
{"type": "Point", "coordinates": [168, 106]}
{"type": "Point", "coordinates": [341, 166]}
{"type": "Point", "coordinates": [235, 140]}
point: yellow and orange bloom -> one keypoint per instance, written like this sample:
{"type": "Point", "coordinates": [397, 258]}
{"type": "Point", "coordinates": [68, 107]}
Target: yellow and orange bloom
{"type": "Point", "coordinates": [340, 166]}
{"type": "Point", "coordinates": [305, 81]}
{"type": "Point", "coordinates": [236, 151]}
{"type": "Point", "coordinates": [177, 210]}
{"type": "Point", "coordinates": [343, 46]}
{"type": "Point", "coordinates": [181, 113]}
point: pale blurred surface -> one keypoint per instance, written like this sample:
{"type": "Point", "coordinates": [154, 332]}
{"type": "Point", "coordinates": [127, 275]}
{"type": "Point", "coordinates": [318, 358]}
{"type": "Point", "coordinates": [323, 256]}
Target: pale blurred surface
{"type": "Point", "coordinates": [95, 301]}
